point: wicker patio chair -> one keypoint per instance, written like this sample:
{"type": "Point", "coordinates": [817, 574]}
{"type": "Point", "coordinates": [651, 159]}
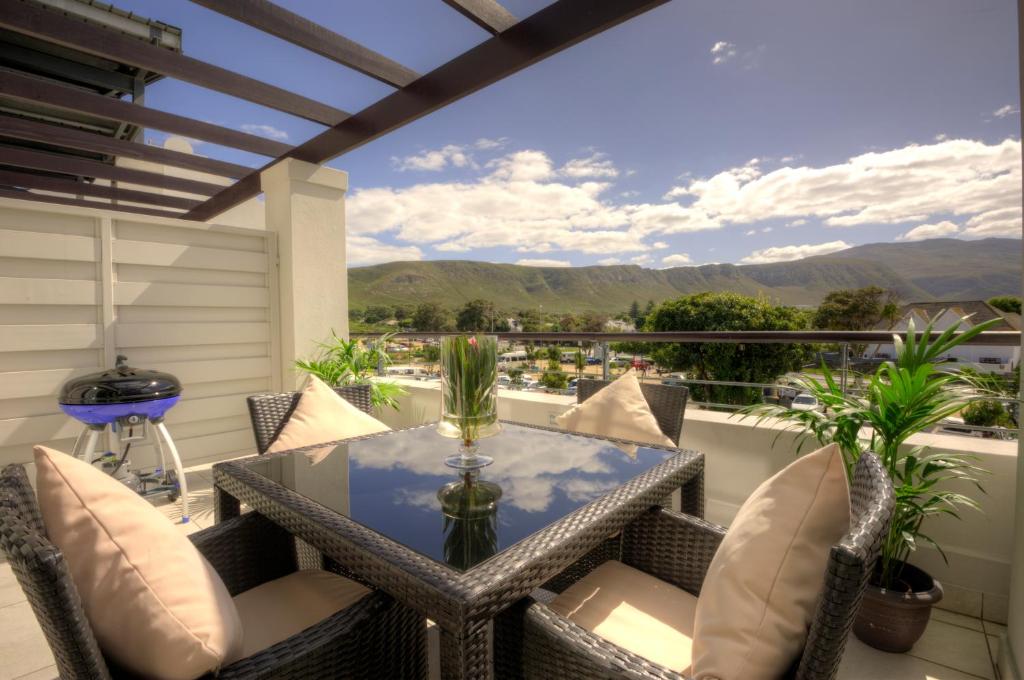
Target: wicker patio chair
{"type": "Point", "coordinates": [269, 412]}
{"type": "Point", "coordinates": [374, 638]}
{"type": "Point", "coordinates": [533, 641]}
{"type": "Point", "coordinates": [667, 402]}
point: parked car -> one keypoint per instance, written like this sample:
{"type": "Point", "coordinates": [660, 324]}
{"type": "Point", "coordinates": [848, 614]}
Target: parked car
{"type": "Point", "coordinates": [805, 402]}
{"type": "Point", "coordinates": [674, 379]}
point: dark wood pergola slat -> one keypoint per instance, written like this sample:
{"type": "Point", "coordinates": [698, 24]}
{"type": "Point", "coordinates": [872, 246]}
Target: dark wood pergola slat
{"type": "Point", "coordinates": [58, 135]}
{"type": "Point", "coordinates": [32, 20]}
{"type": "Point", "coordinates": [69, 186]}
{"type": "Point", "coordinates": [82, 203]}
{"type": "Point", "coordinates": [298, 30]}
{"type": "Point", "coordinates": [553, 29]}
{"type": "Point", "coordinates": [487, 14]}
{"type": "Point", "coordinates": [30, 60]}
{"type": "Point", "coordinates": [31, 89]}
{"type": "Point", "coordinates": [82, 167]}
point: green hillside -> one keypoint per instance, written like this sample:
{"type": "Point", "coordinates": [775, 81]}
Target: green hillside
{"type": "Point", "coordinates": [916, 271]}
{"type": "Point", "coordinates": [949, 269]}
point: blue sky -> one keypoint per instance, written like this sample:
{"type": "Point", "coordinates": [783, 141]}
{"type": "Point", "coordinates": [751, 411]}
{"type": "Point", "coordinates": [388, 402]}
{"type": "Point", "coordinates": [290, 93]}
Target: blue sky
{"type": "Point", "coordinates": [703, 131]}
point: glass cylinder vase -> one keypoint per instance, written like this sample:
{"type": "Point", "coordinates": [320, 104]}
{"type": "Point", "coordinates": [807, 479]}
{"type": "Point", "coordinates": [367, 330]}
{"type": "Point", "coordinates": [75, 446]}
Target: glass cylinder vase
{"type": "Point", "coordinates": [469, 390]}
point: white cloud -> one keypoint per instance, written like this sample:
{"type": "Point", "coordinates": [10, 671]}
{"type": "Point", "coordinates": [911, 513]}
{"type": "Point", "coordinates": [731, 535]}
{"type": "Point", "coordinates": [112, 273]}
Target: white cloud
{"type": "Point", "coordinates": [766, 230]}
{"type": "Point", "coordinates": [676, 260]}
{"type": "Point", "coordinates": [522, 204]}
{"type": "Point", "coordinates": [941, 137]}
{"type": "Point", "coordinates": [435, 160]}
{"type": "Point", "coordinates": [609, 261]}
{"type": "Point", "coordinates": [485, 144]}
{"type": "Point", "coordinates": [787, 253]}
{"type": "Point", "coordinates": [363, 250]}
{"type": "Point", "coordinates": [659, 245]}
{"type": "Point", "coordinates": [1004, 111]}
{"type": "Point", "coordinates": [722, 52]}
{"type": "Point", "coordinates": [797, 223]}
{"type": "Point", "coordinates": [944, 228]}
{"type": "Point", "coordinates": [264, 131]}
{"type": "Point", "coordinates": [595, 165]}
{"type": "Point", "coordinates": [543, 263]}
{"type": "Point", "coordinates": [750, 232]}
{"type": "Point", "coordinates": [641, 259]}
{"type": "Point", "coordinates": [1005, 222]}
{"type": "Point", "coordinates": [522, 166]}
{"type": "Point", "coordinates": [955, 177]}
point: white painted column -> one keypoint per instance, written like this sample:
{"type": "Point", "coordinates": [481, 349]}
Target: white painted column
{"type": "Point", "coordinates": [305, 206]}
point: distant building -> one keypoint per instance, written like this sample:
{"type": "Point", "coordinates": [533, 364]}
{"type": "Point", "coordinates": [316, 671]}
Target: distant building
{"type": "Point", "coordinates": [619, 326]}
{"type": "Point", "coordinates": [983, 358]}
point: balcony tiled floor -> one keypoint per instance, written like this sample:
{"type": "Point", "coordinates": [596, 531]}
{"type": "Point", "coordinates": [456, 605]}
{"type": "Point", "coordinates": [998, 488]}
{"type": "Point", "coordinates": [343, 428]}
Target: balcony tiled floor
{"type": "Point", "coordinates": [955, 647]}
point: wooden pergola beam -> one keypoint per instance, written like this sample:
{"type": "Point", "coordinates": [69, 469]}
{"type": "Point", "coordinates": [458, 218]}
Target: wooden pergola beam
{"type": "Point", "coordinates": [59, 135]}
{"type": "Point", "coordinates": [69, 186]}
{"type": "Point", "coordinates": [558, 26]}
{"type": "Point", "coordinates": [31, 89]}
{"type": "Point", "coordinates": [487, 14]}
{"type": "Point", "coordinates": [298, 30]}
{"type": "Point", "coordinates": [82, 203]}
{"type": "Point", "coordinates": [82, 167]}
{"type": "Point", "coordinates": [60, 29]}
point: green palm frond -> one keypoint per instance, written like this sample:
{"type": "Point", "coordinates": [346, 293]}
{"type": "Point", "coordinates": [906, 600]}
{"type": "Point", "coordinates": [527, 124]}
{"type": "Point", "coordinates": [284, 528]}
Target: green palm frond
{"type": "Point", "coordinates": [903, 397]}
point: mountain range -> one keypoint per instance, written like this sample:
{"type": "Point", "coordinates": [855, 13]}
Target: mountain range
{"type": "Point", "coordinates": [935, 269]}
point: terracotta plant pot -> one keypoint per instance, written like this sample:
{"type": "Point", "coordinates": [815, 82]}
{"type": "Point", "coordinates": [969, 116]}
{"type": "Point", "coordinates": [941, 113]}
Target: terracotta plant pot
{"type": "Point", "coordinates": [893, 620]}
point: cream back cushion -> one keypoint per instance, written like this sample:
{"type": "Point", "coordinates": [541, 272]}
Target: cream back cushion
{"type": "Point", "coordinates": [322, 415]}
{"type": "Point", "coordinates": [155, 604]}
{"type": "Point", "coordinates": [618, 410]}
{"type": "Point", "coordinates": [758, 597]}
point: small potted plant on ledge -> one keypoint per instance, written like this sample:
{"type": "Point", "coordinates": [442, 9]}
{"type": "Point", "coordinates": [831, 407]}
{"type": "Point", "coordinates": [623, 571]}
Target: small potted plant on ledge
{"type": "Point", "coordinates": [340, 362]}
{"type": "Point", "coordinates": [910, 395]}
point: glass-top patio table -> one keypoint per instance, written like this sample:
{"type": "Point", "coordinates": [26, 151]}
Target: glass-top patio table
{"type": "Point", "coordinates": [370, 505]}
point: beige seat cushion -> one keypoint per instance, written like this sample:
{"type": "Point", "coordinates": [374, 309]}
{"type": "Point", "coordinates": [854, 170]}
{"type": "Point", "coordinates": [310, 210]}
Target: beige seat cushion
{"type": "Point", "coordinates": [322, 415]}
{"type": "Point", "coordinates": [276, 610]}
{"type": "Point", "coordinates": [155, 604]}
{"type": "Point", "coordinates": [760, 591]}
{"type": "Point", "coordinates": [633, 610]}
{"type": "Point", "coordinates": [619, 410]}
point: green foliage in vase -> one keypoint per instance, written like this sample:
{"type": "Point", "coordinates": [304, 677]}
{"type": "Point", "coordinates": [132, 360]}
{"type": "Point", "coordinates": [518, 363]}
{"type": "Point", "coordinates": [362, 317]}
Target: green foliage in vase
{"type": "Point", "coordinates": [469, 366]}
{"type": "Point", "coordinates": [341, 362]}
{"type": "Point", "coordinates": [913, 394]}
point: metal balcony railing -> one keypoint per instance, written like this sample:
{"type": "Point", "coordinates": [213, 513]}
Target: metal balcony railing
{"type": "Point", "coordinates": [843, 339]}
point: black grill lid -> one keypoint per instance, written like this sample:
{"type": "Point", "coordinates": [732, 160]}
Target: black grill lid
{"type": "Point", "coordinates": [120, 385]}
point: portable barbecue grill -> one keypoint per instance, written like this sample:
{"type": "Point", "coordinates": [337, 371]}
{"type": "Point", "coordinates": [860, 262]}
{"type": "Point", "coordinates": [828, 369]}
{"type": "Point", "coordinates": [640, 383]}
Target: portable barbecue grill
{"type": "Point", "coordinates": [128, 400]}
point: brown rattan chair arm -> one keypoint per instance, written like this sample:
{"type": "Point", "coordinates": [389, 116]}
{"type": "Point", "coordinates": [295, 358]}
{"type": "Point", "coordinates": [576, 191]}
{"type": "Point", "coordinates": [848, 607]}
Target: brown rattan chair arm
{"type": "Point", "coordinates": [374, 638]}
{"type": "Point", "coordinates": [672, 546]}
{"type": "Point", "coordinates": [247, 551]}
{"type": "Point", "coordinates": [555, 647]}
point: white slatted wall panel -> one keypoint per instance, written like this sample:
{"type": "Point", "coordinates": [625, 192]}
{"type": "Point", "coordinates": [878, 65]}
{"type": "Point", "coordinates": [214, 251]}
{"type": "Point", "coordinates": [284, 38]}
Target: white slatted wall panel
{"type": "Point", "coordinates": [78, 287]}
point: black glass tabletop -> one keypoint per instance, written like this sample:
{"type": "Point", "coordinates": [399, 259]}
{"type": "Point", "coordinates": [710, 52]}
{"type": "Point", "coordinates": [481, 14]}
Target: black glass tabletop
{"type": "Point", "coordinates": [391, 483]}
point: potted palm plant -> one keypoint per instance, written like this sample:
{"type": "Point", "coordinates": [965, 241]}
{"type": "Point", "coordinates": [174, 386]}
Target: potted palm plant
{"type": "Point", "coordinates": [341, 362]}
{"type": "Point", "coordinates": [909, 395]}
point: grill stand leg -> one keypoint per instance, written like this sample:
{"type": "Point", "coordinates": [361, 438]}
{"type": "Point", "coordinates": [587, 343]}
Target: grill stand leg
{"type": "Point", "coordinates": [90, 445]}
{"type": "Point", "coordinates": [176, 459]}
{"type": "Point", "coordinates": [160, 452]}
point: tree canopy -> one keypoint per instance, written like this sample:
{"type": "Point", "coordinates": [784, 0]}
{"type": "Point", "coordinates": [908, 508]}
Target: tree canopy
{"type": "Point", "coordinates": [761, 363]}
{"type": "Point", "coordinates": [856, 309]}
{"type": "Point", "coordinates": [430, 316]}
